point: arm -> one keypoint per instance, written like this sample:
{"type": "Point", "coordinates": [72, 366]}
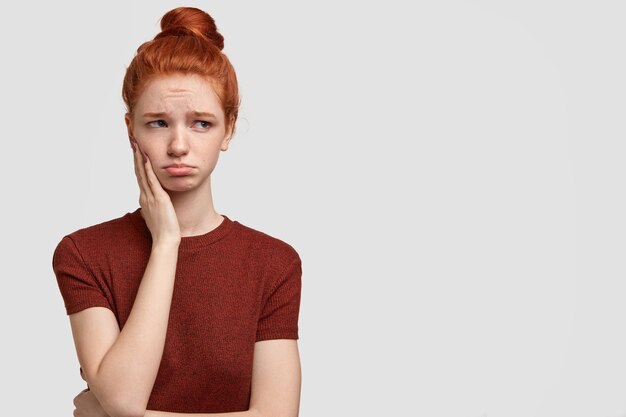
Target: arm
{"type": "Point", "coordinates": [248, 413]}
{"type": "Point", "coordinates": [121, 367]}
{"type": "Point", "coordinates": [276, 381]}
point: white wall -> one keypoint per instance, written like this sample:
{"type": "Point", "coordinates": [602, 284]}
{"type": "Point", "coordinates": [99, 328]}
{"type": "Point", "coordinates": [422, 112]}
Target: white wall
{"type": "Point", "coordinates": [451, 173]}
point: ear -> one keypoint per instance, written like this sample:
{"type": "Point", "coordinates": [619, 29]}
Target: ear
{"type": "Point", "coordinates": [228, 136]}
{"type": "Point", "coordinates": [129, 125]}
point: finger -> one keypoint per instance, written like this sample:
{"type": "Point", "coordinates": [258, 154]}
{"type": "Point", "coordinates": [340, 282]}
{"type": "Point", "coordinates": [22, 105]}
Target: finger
{"type": "Point", "coordinates": [140, 172]}
{"type": "Point", "coordinates": [137, 147]}
{"type": "Point", "coordinates": [80, 394]}
{"type": "Point", "coordinates": [153, 181]}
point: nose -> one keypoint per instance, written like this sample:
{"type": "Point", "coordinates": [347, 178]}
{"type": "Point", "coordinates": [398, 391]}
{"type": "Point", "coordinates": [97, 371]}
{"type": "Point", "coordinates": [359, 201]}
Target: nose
{"type": "Point", "coordinates": [179, 143]}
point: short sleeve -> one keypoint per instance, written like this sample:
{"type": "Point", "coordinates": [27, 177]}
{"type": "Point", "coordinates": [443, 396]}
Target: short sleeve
{"type": "Point", "coordinates": [77, 283]}
{"type": "Point", "coordinates": [279, 315]}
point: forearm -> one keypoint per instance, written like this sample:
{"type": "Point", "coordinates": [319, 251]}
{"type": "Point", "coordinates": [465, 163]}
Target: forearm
{"type": "Point", "coordinates": [248, 413]}
{"type": "Point", "coordinates": [126, 375]}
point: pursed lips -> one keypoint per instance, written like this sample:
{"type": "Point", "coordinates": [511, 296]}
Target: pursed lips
{"type": "Point", "coordinates": [178, 166]}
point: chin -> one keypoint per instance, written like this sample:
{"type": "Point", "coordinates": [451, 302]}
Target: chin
{"type": "Point", "coordinates": [179, 184]}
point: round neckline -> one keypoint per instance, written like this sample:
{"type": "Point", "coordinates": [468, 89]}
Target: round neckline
{"type": "Point", "coordinates": [188, 242]}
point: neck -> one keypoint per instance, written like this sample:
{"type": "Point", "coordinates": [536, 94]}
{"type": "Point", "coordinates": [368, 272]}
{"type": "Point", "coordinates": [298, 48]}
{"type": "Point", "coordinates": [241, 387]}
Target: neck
{"type": "Point", "coordinates": [194, 210]}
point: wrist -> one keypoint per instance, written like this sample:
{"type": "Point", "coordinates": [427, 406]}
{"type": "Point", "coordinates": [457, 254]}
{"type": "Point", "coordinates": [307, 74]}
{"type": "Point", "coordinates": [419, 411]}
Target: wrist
{"type": "Point", "coordinates": [165, 244]}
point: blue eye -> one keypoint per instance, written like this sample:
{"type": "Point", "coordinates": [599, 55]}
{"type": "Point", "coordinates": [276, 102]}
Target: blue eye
{"type": "Point", "coordinates": [160, 123]}
{"type": "Point", "coordinates": [203, 124]}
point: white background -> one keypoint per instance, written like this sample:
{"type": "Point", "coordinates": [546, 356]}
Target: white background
{"type": "Point", "coordinates": [451, 173]}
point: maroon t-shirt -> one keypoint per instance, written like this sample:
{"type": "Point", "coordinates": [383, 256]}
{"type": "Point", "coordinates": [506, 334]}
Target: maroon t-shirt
{"type": "Point", "coordinates": [234, 286]}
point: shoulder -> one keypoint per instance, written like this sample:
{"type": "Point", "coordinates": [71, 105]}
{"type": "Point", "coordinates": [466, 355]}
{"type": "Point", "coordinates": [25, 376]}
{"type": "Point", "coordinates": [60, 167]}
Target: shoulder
{"type": "Point", "coordinates": [268, 243]}
{"type": "Point", "coordinates": [269, 248]}
{"type": "Point", "coordinates": [108, 233]}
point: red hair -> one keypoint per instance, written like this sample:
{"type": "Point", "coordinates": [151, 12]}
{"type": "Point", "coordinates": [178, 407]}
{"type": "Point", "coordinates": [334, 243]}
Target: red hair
{"type": "Point", "coordinates": [189, 43]}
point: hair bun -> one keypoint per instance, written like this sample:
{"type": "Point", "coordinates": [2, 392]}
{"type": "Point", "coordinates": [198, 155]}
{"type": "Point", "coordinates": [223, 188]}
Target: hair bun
{"type": "Point", "coordinates": [189, 21]}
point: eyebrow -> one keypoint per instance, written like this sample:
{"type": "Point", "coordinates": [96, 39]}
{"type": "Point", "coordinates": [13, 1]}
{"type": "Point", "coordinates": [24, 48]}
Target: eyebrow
{"type": "Point", "coordinates": [195, 113]}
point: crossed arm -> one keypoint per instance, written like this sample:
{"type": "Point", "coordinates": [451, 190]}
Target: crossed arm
{"type": "Point", "coordinates": [120, 366]}
{"type": "Point", "coordinates": [276, 373]}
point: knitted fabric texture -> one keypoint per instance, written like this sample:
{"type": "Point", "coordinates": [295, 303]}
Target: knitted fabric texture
{"type": "Point", "coordinates": [234, 286]}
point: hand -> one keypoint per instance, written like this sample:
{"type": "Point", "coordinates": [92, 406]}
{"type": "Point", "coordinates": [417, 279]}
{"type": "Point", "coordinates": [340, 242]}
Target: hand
{"type": "Point", "coordinates": [156, 205]}
{"type": "Point", "coordinates": [87, 405]}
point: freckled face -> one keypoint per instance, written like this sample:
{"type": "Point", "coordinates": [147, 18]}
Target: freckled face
{"type": "Point", "coordinates": [178, 119]}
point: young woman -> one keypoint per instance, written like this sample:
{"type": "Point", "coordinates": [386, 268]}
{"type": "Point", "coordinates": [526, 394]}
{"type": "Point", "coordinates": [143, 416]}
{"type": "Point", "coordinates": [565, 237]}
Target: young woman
{"type": "Point", "coordinates": [176, 309]}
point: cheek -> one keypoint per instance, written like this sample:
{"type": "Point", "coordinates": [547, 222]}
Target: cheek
{"type": "Point", "coordinates": [143, 146]}
{"type": "Point", "coordinates": [147, 143]}
{"type": "Point", "coordinates": [209, 148]}
{"type": "Point", "coordinates": [209, 157]}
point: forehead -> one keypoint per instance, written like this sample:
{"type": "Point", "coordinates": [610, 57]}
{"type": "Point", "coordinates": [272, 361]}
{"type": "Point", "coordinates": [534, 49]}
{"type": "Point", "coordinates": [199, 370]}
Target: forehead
{"type": "Point", "coordinates": [179, 92]}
